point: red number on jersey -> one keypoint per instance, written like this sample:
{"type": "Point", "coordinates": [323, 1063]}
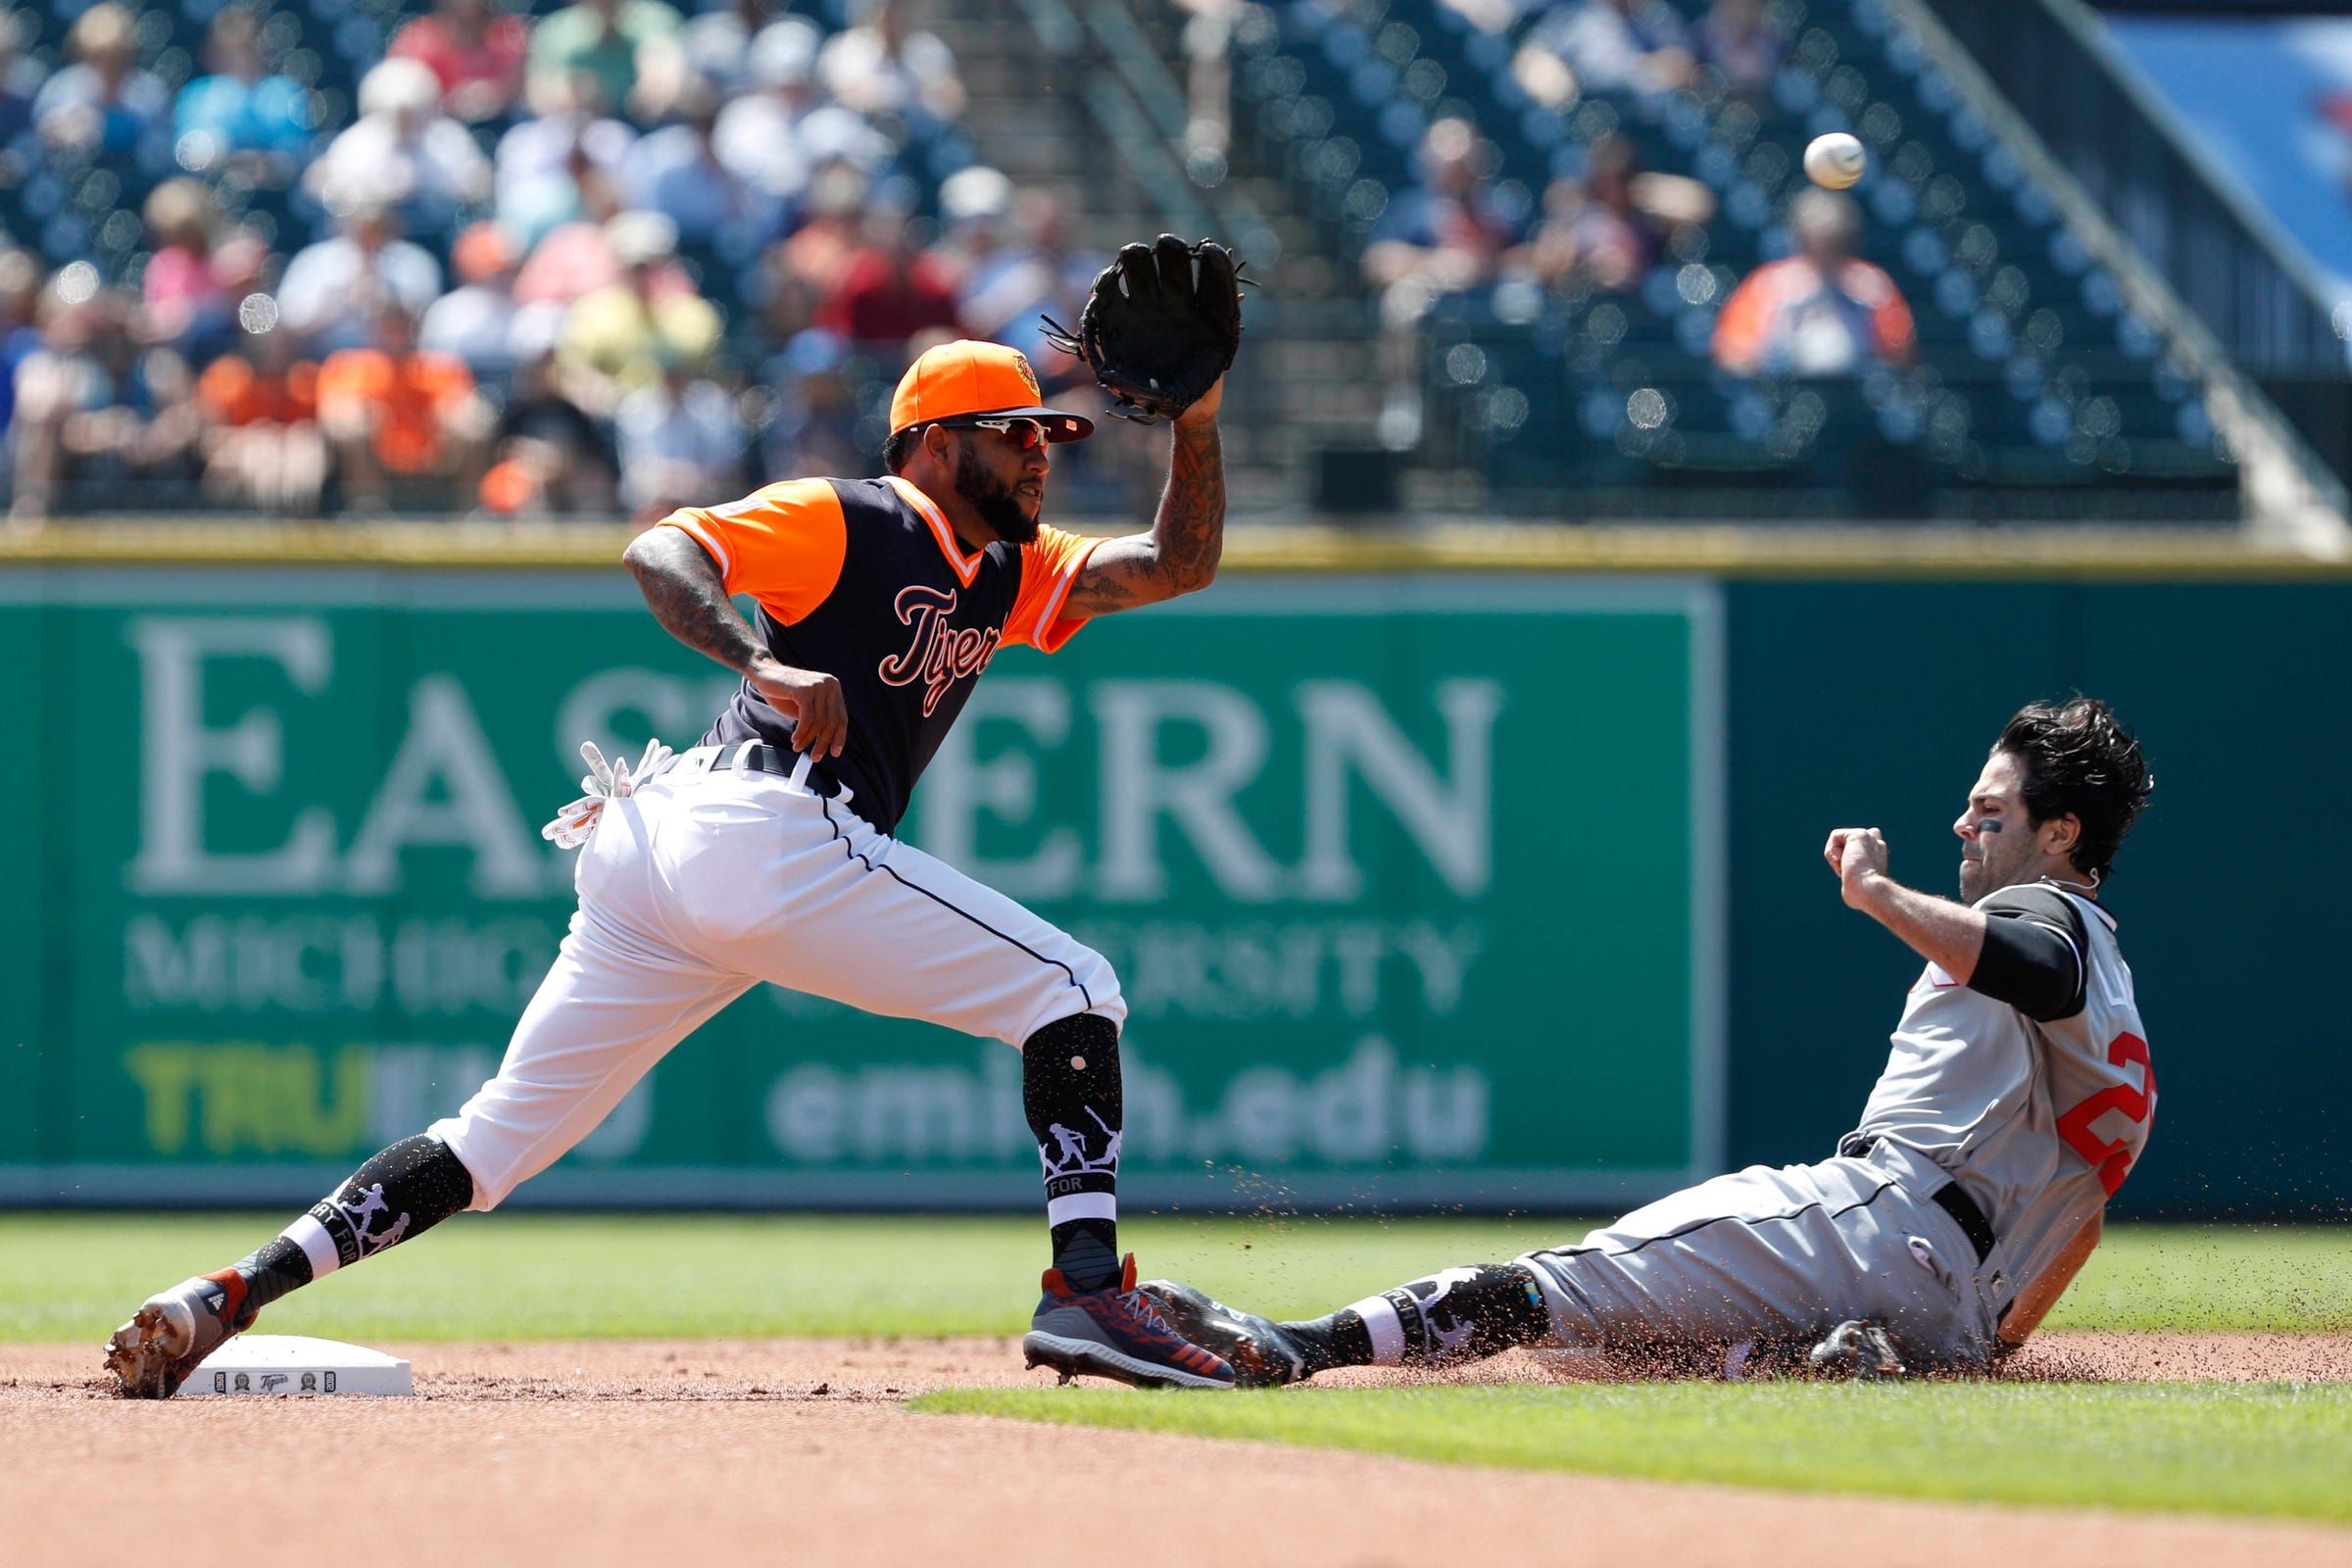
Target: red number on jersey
{"type": "Point", "coordinates": [2109, 1157]}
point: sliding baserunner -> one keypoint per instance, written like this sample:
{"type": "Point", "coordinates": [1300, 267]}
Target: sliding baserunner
{"type": "Point", "coordinates": [2016, 1100]}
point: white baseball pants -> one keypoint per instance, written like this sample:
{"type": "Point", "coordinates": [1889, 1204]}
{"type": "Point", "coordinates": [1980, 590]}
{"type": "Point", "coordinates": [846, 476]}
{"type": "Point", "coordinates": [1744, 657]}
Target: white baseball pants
{"type": "Point", "coordinates": [1779, 1254]}
{"type": "Point", "coordinates": [705, 883]}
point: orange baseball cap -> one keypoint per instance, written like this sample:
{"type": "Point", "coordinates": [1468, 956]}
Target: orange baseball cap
{"type": "Point", "coordinates": [967, 377]}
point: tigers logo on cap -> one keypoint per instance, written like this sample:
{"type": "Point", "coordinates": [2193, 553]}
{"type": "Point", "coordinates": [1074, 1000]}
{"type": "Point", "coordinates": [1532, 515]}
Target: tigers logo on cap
{"type": "Point", "coordinates": [957, 380]}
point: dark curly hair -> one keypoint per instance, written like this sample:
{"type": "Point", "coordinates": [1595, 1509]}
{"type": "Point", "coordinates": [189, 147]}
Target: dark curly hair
{"type": "Point", "coordinates": [897, 449]}
{"type": "Point", "coordinates": [2080, 761]}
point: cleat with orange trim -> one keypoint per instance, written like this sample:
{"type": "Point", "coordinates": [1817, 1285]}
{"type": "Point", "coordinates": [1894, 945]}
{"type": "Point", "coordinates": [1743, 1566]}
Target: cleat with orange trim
{"type": "Point", "coordinates": [154, 1352]}
{"type": "Point", "coordinates": [1118, 1334]}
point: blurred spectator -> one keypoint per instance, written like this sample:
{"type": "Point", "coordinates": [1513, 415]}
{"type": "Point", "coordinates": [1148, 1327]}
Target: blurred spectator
{"type": "Point", "coordinates": [548, 165]}
{"type": "Point", "coordinates": [680, 444]}
{"type": "Point", "coordinates": [1605, 46]}
{"type": "Point", "coordinates": [601, 37]}
{"type": "Point", "coordinates": [261, 444]}
{"type": "Point", "coordinates": [395, 413]}
{"type": "Point", "coordinates": [816, 255]}
{"type": "Point", "coordinates": [331, 288]}
{"type": "Point", "coordinates": [718, 45]}
{"type": "Point", "coordinates": [757, 135]}
{"type": "Point", "coordinates": [878, 68]}
{"type": "Point", "coordinates": [623, 337]}
{"type": "Point", "coordinates": [1449, 232]}
{"type": "Point", "coordinates": [475, 320]}
{"type": "Point", "coordinates": [185, 298]}
{"type": "Point", "coordinates": [19, 83]}
{"type": "Point", "coordinates": [1742, 42]}
{"type": "Point", "coordinates": [19, 337]}
{"type": "Point", "coordinates": [240, 115]}
{"type": "Point", "coordinates": [676, 172]}
{"type": "Point", "coordinates": [888, 290]}
{"type": "Point", "coordinates": [552, 460]}
{"type": "Point", "coordinates": [574, 258]}
{"type": "Point", "coordinates": [403, 151]}
{"type": "Point", "coordinates": [102, 102]}
{"type": "Point", "coordinates": [90, 401]}
{"type": "Point", "coordinates": [1609, 228]}
{"type": "Point", "coordinates": [975, 214]}
{"type": "Point", "coordinates": [1003, 288]}
{"type": "Point", "coordinates": [475, 53]}
{"type": "Point", "coordinates": [1822, 312]}
{"type": "Point", "coordinates": [814, 429]}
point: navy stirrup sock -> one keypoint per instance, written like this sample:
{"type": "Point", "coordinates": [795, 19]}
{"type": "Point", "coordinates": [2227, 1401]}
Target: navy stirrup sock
{"type": "Point", "coordinates": [1072, 1093]}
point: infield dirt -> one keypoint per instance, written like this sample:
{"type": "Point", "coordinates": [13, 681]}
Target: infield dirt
{"type": "Point", "coordinates": [785, 1450]}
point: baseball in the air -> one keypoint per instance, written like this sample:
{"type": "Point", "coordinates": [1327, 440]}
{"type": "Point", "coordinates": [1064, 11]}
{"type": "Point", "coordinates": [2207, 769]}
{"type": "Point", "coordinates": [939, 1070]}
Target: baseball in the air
{"type": "Point", "coordinates": [1836, 161]}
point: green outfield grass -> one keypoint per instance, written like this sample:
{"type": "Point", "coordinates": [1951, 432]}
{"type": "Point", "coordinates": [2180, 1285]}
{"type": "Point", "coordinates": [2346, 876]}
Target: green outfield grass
{"type": "Point", "coordinates": [535, 1276]}
{"type": "Point", "coordinates": [2271, 1449]}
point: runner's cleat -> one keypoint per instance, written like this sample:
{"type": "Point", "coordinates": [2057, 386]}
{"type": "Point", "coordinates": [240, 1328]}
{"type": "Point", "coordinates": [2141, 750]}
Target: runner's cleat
{"type": "Point", "coordinates": [164, 1342]}
{"type": "Point", "coordinates": [1116, 1333]}
{"type": "Point", "coordinates": [1261, 1352]}
{"type": "Point", "coordinates": [1857, 1349]}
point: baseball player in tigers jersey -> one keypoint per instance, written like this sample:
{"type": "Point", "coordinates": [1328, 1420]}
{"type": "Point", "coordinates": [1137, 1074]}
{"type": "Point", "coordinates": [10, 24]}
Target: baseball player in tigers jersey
{"type": "Point", "coordinates": [766, 853]}
{"type": "Point", "coordinates": [2016, 1099]}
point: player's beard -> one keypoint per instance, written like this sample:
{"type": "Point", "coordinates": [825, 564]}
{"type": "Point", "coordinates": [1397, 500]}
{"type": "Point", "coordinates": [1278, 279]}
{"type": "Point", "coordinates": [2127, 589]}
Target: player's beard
{"type": "Point", "coordinates": [1997, 867]}
{"type": "Point", "coordinates": [993, 500]}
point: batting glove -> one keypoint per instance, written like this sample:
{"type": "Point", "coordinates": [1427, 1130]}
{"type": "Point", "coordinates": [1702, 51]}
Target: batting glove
{"type": "Point", "coordinates": [576, 823]}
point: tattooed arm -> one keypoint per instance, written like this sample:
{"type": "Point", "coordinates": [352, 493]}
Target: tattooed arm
{"type": "Point", "coordinates": [1179, 555]}
{"type": "Point", "coordinates": [683, 588]}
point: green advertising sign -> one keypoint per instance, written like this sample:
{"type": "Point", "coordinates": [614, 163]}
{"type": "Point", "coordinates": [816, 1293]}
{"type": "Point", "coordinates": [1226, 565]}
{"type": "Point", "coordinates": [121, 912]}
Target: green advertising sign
{"type": "Point", "coordinates": [1414, 885]}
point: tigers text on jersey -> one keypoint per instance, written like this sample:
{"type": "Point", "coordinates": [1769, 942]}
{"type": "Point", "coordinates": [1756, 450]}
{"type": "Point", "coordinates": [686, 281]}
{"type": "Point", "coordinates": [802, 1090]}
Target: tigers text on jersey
{"type": "Point", "coordinates": [863, 581]}
{"type": "Point", "coordinates": [2041, 1119]}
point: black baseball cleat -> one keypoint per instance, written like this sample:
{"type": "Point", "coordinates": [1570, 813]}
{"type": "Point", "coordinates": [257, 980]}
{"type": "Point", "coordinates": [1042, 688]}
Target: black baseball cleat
{"type": "Point", "coordinates": [1859, 1350]}
{"type": "Point", "coordinates": [1261, 1352]}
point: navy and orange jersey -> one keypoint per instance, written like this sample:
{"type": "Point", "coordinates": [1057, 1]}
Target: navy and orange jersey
{"type": "Point", "coordinates": [864, 581]}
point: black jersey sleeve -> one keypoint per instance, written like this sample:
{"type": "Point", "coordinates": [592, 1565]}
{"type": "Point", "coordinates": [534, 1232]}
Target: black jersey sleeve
{"type": "Point", "coordinates": [2034, 957]}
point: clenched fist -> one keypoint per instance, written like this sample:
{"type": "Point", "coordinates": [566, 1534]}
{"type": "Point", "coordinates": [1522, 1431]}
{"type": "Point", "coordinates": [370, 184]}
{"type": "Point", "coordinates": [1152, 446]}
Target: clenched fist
{"type": "Point", "coordinates": [1857, 855]}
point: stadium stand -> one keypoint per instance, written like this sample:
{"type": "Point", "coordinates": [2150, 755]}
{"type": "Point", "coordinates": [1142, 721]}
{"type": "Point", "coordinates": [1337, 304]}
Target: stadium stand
{"type": "Point", "coordinates": [341, 253]}
{"type": "Point", "coordinates": [345, 257]}
{"type": "Point", "coordinates": [1586, 384]}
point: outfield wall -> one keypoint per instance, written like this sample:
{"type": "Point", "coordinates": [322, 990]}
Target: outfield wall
{"type": "Point", "coordinates": [1428, 886]}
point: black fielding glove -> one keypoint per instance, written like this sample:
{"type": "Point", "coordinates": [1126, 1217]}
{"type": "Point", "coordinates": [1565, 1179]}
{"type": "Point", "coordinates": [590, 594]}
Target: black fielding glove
{"type": "Point", "coordinates": [1161, 324]}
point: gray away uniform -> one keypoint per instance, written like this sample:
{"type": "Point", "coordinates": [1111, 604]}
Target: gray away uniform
{"type": "Point", "coordinates": [2028, 1090]}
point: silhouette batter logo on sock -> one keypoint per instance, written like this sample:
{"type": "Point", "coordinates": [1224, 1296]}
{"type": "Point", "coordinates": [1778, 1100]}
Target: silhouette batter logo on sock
{"type": "Point", "coordinates": [348, 1217]}
{"type": "Point", "coordinates": [1074, 1159]}
{"type": "Point", "coordinates": [1431, 1326]}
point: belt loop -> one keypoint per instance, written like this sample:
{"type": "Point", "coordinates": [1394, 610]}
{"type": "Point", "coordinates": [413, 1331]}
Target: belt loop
{"type": "Point", "coordinates": [799, 771]}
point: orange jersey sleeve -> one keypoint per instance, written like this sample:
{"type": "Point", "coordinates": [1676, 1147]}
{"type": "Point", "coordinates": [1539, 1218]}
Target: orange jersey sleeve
{"type": "Point", "coordinates": [1739, 328]}
{"type": "Point", "coordinates": [783, 545]}
{"type": "Point", "coordinates": [1049, 565]}
{"type": "Point", "coordinates": [1890, 320]}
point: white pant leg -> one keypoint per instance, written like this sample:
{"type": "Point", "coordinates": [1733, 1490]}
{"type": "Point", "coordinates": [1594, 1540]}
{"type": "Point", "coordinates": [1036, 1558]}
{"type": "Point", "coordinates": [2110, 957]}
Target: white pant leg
{"type": "Point", "coordinates": [817, 901]}
{"type": "Point", "coordinates": [699, 887]}
{"type": "Point", "coordinates": [621, 992]}
{"type": "Point", "coordinates": [1770, 1253]}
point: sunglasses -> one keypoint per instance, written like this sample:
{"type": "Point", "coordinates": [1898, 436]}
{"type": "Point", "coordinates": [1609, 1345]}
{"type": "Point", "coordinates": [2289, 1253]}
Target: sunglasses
{"type": "Point", "coordinates": [1027, 434]}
